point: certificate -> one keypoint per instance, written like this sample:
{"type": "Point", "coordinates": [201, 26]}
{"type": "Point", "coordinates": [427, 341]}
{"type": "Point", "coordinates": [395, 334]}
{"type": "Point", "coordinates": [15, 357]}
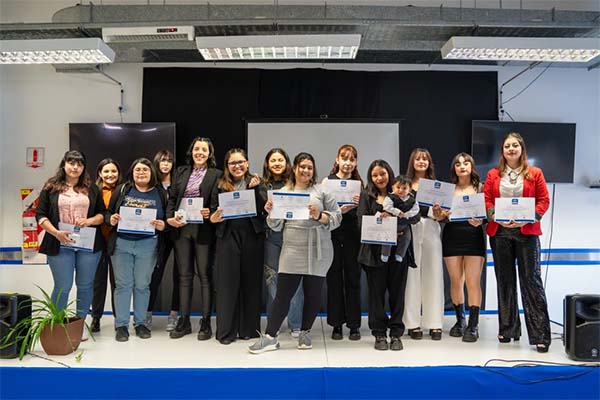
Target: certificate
{"type": "Point", "coordinates": [136, 220]}
{"type": "Point", "coordinates": [290, 205]}
{"type": "Point", "coordinates": [81, 238]}
{"type": "Point", "coordinates": [378, 230]}
{"type": "Point", "coordinates": [467, 206]}
{"type": "Point", "coordinates": [240, 204]}
{"type": "Point", "coordinates": [517, 209]}
{"type": "Point", "coordinates": [343, 190]}
{"type": "Point", "coordinates": [192, 206]}
{"type": "Point", "coordinates": [435, 192]}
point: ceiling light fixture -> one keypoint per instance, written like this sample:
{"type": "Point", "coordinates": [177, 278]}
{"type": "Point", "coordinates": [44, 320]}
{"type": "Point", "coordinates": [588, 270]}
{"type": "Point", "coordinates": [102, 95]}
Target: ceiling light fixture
{"type": "Point", "coordinates": [479, 48]}
{"type": "Point", "coordinates": [56, 51]}
{"type": "Point", "coordinates": [148, 34]}
{"type": "Point", "coordinates": [278, 47]}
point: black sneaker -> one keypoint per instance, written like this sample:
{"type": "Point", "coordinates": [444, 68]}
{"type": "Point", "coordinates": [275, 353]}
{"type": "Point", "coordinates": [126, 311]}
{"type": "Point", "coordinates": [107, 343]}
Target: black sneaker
{"type": "Point", "coordinates": [381, 343]}
{"type": "Point", "coordinates": [354, 334]}
{"type": "Point", "coordinates": [122, 334]}
{"type": "Point", "coordinates": [184, 327]}
{"type": "Point", "coordinates": [143, 332]}
{"type": "Point", "coordinates": [396, 343]}
{"type": "Point", "coordinates": [337, 333]}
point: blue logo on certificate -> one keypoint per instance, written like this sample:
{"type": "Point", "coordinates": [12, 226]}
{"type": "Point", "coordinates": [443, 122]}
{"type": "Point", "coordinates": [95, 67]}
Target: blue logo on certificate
{"type": "Point", "coordinates": [514, 201]}
{"type": "Point", "coordinates": [437, 185]}
{"type": "Point", "coordinates": [190, 202]}
{"type": "Point", "coordinates": [76, 229]}
{"type": "Point", "coordinates": [465, 199]}
{"type": "Point", "coordinates": [379, 220]}
{"type": "Point", "coordinates": [343, 184]}
{"type": "Point", "coordinates": [138, 211]}
{"type": "Point", "coordinates": [236, 195]}
{"type": "Point", "coordinates": [289, 214]}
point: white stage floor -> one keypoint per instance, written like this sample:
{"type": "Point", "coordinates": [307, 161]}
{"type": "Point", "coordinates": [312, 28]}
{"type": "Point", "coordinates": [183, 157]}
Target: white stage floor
{"type": "Point", "coordinates": [162, 352]}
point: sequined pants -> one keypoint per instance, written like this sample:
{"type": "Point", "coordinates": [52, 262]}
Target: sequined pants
{"type": "Point", "coordinates": [508, 246]}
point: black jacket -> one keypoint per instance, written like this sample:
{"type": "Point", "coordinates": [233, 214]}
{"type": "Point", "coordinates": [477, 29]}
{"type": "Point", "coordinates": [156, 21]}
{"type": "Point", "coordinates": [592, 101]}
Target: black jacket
{"type": "Point", "coordinates": [116, 199]}
{"type": "Point", "coordinates": [207, 188]}
{"type": "Point", "coordinates": [48, 207]}
{"type": "Point", "coordinates": [260, 193]}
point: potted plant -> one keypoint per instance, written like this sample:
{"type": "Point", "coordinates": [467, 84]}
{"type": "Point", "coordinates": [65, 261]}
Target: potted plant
{"type": "Point", "coordinates": [59, 330]}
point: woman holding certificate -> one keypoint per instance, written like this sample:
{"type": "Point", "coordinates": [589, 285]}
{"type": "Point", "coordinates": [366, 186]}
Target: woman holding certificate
{"type": "Point", "coordinates": [188, 211]}
{"type": "Point", "coordinates": [277, 170]}
{"type": "Point", "coordinates": [306, 254]}
{"type": "Point", "coordinates": [425, 284]}
{"type": "Point", "coordinates": [69, 201]}
{"type": "Point", "coordinates": [382, 277]}
{"type": "Point", "coordinates": [343, 278]}
{"type": "Point", "coordinates": [238, 212]}
{"type": "Point", "coordinates": [137, 214]}
{"type": "Point", "coordinates": [463, 246]}
{"type": "Point", "coordinates": [518, 241]}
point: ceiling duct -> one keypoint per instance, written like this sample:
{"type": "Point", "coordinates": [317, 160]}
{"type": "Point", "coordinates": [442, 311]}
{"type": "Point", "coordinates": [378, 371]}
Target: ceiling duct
{"type": "Point", "coordinates": [147, 34]}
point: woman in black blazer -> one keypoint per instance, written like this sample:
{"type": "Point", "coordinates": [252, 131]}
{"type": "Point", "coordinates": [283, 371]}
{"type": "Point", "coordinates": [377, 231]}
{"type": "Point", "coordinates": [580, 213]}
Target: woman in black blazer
{"type": "Point", "coordinates": [193, 240]}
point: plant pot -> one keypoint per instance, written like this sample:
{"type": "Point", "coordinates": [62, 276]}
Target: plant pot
{"type": "Point", "coordinates": [62, 339]}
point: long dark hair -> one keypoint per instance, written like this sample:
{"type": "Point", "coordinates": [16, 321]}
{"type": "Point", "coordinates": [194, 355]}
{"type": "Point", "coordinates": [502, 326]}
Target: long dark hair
{"type": "Point", "coordinates": [58, 182]}
{"type": "Point", "coordinates": [475, 179]}
{"type": "Point", "coordinates": [226, 183]}
{"type": "Point", "coordinates": [268, 176]}
{"type": "Point", "coordinates": [153, 175]}
{"type": "Point", "coordinates": [297, 160]}
{"type": "Point", "coordinates": [522, 159]}
{"type": "Point", "coordinates": [347, 150]}
{"type": "Point", "coordinates": [410, 171]}
{"type": "Point", "coordinates": [211, 162]}
{"type": "Point", "coordinates": [372, 190]}
{"type": "Point", "coordinates": [163, 155]}
{"type": "Point", "coordinates": [102, 164]}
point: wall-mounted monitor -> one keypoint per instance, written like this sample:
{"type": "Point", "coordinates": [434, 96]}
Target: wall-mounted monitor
{"type": "Point", "coordinates": [550, 146]}
{"type": "Point", "coordinates": [124, 142]}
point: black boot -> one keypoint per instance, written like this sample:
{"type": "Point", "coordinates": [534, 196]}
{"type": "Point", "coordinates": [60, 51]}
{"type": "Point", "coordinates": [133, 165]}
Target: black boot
{"type": "Point", "coordinates": [205, 332]}
{"type": "Point", "coordinates": [472, 332]}
{"type": "Point", "coordinates": [184, 327]}
{"type": "Point", "coordinates": [459, 328]}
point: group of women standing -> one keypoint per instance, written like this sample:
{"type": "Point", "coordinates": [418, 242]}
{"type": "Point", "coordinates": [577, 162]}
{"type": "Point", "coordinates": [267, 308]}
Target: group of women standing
{"type": "Point", "coordinates": [294, 257]}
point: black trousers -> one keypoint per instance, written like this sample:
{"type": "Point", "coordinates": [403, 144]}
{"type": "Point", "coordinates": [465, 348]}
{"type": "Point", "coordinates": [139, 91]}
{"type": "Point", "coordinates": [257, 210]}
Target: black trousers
{"type": "Point", "coordinates": [238, 281]}
{"type": "Point", "coordinates": [508, 246]}
{"type": "Point", "coordinates": [343, 281]}
{"type": "Point", "coordinates": [192, 258]}
{"type": "Point", "coordinates": [104, 272]}
{"type": "Point", "coordinates": [390, 278]}
{"type": "Point", "coordinates": [287, 284]}
{"type": "Point", "coordinates": [157, 275]}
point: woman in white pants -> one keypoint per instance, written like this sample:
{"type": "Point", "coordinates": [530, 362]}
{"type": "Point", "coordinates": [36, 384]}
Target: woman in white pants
{"type": "Point", "coordinates": [424, 297]}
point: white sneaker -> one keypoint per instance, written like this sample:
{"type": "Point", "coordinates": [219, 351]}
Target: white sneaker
{"type": "Point", "coordinates": [295, 333]}
{"type": "Point", "coordinates": [85, 335]}
{"type": "Point", "coordinates": [171, 322]}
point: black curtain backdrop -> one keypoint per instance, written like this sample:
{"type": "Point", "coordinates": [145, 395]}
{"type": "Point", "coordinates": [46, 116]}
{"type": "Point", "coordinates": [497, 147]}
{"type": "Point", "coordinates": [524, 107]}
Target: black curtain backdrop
{"type": "Point", "coordinates": [437, 106]}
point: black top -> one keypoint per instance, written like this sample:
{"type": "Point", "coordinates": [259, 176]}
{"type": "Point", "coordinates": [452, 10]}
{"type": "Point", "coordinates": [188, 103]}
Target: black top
{"type": "Point", "coordinates": [48, 207]}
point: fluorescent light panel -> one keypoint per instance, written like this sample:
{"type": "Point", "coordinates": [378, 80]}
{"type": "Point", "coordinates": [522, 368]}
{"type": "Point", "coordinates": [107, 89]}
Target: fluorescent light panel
{"type": "Point", "coordinates": [56, 51]}
{"type": "Point", "coordinates": [278, 47]}
{"type": "Point", "coordinates": [481, 48]}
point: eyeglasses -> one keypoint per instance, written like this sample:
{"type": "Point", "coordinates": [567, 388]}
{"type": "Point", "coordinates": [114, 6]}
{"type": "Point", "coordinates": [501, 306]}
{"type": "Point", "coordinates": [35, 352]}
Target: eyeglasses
{"type": "Point", "coordinates": [236, 163]}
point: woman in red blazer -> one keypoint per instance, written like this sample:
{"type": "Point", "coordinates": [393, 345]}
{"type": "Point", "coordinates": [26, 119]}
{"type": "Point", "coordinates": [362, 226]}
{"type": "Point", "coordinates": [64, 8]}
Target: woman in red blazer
{"type": "Point", "coordinates": [513, 241]}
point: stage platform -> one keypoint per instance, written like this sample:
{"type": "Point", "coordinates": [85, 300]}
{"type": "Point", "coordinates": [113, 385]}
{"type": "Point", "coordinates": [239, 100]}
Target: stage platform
{"type": "Point", "coordinates": [165, 368]}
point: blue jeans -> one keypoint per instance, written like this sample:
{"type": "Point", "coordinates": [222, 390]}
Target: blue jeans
{"type": "Point", "coordinates": [83, 264]}
{"type": "Point", "coordinates": [272, 251]}
{"type": "Point", "coordinates": [133, 262]}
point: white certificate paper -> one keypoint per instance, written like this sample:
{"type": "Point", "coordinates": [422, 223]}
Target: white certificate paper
{"type": "Point", "coordinates": [435, 192]}
{"type": "Point", "coordinates": [517, 209]}
{"type": "Point", "coordinates": [240, 204]}
{"type": "Point", "coordinates": [136, 220]}
{"type": "Point", "coordinates": [193, 209]}
{"type": "Point", "coordinates": [343, 190]}
{"type": "Point", "coordinates": [289, 205]}
{"type": "Point", "coordinates": [82, 238]}
{"type": "Point", "coordinates": [467, 206]}
{"type": "Point", "coordinates": [378, 230]}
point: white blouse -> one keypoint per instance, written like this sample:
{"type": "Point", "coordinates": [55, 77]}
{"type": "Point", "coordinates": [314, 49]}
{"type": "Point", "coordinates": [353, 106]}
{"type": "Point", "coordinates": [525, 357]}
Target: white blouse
{"type": "Point", "coordinates": [511, 187]}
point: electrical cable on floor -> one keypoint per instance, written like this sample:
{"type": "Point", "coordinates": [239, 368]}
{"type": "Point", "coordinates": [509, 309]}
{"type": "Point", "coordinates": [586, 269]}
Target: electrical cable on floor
{"type": "Point", "coordinates": [528, 85]}
{"type": "Point", "coordinates": [49, 359]}
{"type": "Point", "coordinates": [532, 363]}
{"type": "Point", "coordinates": [551, 234]}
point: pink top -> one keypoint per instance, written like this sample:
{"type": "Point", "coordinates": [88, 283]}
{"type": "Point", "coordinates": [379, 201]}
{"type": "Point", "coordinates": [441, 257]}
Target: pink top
{"type": "Point", "coordinates": [72, 205]}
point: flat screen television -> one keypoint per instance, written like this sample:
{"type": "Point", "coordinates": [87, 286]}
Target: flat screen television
{"type": "Point", "coordinates": [550, 146]}
{"type": "Point", "coordinates": [123, 142]}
